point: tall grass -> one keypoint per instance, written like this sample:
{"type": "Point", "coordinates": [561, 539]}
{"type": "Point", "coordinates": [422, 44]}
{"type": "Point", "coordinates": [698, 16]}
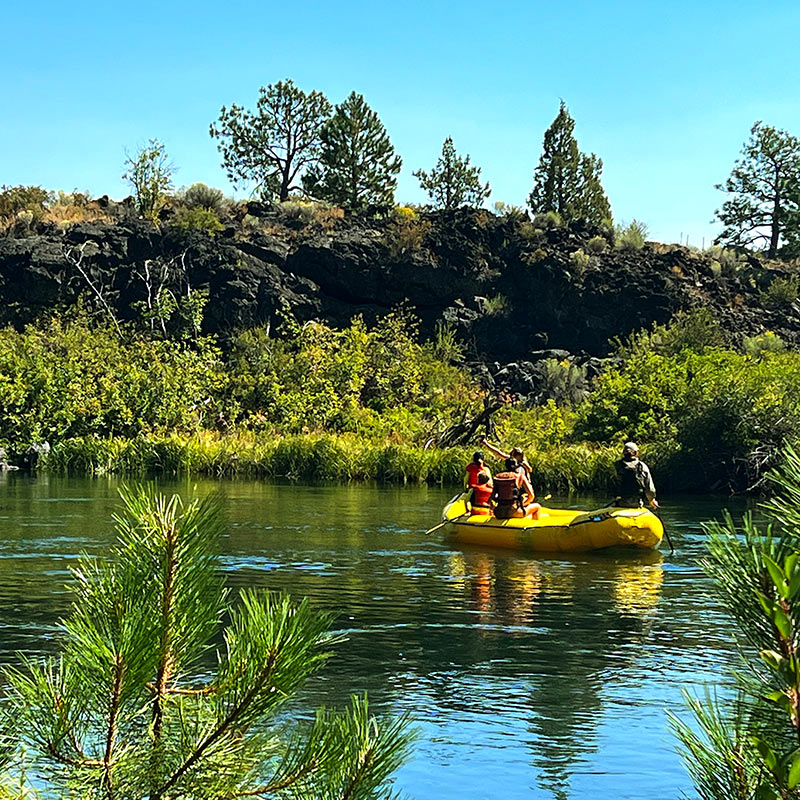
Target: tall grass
{"type": "Point", "coordinates": [342, 457]}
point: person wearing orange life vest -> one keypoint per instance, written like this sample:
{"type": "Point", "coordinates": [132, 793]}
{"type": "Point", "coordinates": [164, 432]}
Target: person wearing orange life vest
{"type": "Point", "coordinates": [481, 497]}
{"type": "Point", "coordinates": [516, 453]}
{"type": "Point", "coordinates": [513, 494]}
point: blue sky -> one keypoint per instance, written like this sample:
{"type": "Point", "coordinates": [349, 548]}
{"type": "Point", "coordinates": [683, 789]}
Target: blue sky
{"type": "Point", "coordinates": [665, 93]}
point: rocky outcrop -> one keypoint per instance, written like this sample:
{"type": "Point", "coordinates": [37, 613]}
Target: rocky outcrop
{"type": "Point", "coordinates": [509, 288]}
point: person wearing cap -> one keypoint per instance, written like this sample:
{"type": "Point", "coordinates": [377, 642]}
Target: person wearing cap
{"type": "Point", "coordinates": [634, 482]}
{"type": "Point", "coordinates": [515, 453]}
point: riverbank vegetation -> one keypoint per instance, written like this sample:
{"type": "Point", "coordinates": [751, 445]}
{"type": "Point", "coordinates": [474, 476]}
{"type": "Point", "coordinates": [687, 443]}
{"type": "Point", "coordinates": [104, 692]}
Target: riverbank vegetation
{"type": "Point", "coordinates": [135, 705]}
{"type": "Point", "coordinates": [374, 402]}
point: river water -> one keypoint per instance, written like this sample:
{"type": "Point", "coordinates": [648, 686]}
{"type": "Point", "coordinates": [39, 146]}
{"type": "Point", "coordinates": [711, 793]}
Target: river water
{"type": "Point", "coordinates": [528, 677]}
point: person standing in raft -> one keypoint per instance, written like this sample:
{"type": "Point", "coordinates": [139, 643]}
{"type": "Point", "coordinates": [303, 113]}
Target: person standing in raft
{"type": "Point", "coordinates": [513, 494]}
{"type": "Point", "coordinates": [634, 482]}
{"type": "Point", "coordinates": [515, 453]}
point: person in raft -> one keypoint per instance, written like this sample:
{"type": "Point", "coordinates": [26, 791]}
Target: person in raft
{"type": "Point", "coordinates": [481, 497]}
{"type": "Point", "coordinates": [634, 482]}
{"type": "Point", "coordinates": [475, 468]}
{"type": "Point", "coordinates": [515, 453]}
{"type": "Point", "coordinates": [513, 494]}
{"type": "Point", "coordinates": [479, 479]}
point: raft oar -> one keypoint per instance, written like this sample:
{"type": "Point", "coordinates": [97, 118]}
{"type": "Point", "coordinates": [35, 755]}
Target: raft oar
{"type": "Point", "coordinates": [436, 527]}
{"type": "Point", "coordinates": [666, 532]}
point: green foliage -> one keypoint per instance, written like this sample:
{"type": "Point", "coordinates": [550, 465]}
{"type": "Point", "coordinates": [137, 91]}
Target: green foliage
{"type": "Point", "coordinates": [781, 292]}
{"type": "Point", "coordinates": [135, 707]}
{"type": "Point", "coordinates": [564, 381]}
{"type": "Point", "coordinates": [406, 232]}
{"type": "Point", "coordinates": [764, 207]}
{"type": "Point", "coordinates": [198, 195]}
{"type": "Point", "coordinates": [580, 261]}
{"type": "Point", "coordinates": [597, 244]}
{"type": "Point", "coordinates": [725, 414]}
{"type": "Point", "coordinates": [567, 181]}
{"type": "Point", "coordinates": [748, 748]}
{"type": "Point", "coordinates": [631, 236]}
{"type": "Point", "coordinates": [274, 145]}
{"type": "Point", "coordinates": [198, 219]}
{"type": "Point", "coordinates": [28, 201]}
{"type": "Point", "coordinates": [357, 165]}
{"type": "Point", "coordinates": [72, 379]}
{"type": "Point", "coordinates": [319, 378]}
{"type": "Point", "coordinates": [453, 183]}
{"type": "Point", "coordinates": [768, 342]}
{"type": "Point", "coordinates": [150, 174]}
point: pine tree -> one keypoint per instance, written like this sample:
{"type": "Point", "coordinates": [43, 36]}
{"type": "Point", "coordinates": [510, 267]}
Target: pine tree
{"type": "Point", "coordinates": [273, 146]}
{"type": "Point", "coordinates": [134, 707]}
{"type": "Point", "coordinates": [453, 182]}
{"type": "Point", "coordinates": [357, 165]}
{"type": "Point", "coordinates": [765, 183]}
{"type": "Point", "coordinates": [567, 181]}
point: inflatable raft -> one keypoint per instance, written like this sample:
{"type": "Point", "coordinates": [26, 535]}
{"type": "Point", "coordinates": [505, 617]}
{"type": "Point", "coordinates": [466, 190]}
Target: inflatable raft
{"type": "Point", "coordinates": [556, 529]}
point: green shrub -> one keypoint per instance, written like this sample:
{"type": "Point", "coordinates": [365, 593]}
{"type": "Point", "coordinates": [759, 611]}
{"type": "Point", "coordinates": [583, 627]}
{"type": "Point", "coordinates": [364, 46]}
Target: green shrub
{"type": "Point", "coordinates": [548, 221]}
{"type": "Point", "coordinates": [198, 219]}
{"type": "Point", "coordinates": [29, 200]}
{"type": "Point", "coordinates": [597, 244]}
{"type": "Point", "coordinates": [198, 195]}
{"type": "Point", "coordinates": [768, 342]}
{"type": "Point", "coordinates": [781, 292]}
{"type": "Point", "coordinates": [406, 232]}
{"type": "Point", "coordinates": [580, 261]}
{"type": "Point", "coordinates": [631, 236]}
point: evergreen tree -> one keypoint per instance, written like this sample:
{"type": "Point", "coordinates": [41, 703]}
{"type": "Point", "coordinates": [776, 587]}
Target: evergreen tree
{"type": "Point", "coordinates": [137, 706]}
{"type": "Point", "coordinates": [566, 180]}
{"type": "Point", "coordinates": [273, 146]}
{"type": "Point", "coordinates": [764, 209]}
{"type": "Point", "coordinates": [357, 165]}
{"type": "Point", "coordinates": [453, 182]}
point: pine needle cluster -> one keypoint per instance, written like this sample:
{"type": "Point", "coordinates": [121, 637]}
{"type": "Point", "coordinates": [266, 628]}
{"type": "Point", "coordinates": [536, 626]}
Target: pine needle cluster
{"type": "Point", "coordinates": [152, 696]}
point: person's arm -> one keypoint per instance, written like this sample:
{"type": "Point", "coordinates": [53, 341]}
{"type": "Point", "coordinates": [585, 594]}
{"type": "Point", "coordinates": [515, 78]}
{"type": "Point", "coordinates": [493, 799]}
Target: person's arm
{"type": "Point", "coordinates": [649, 487]}
{"type": "Point", "coordinates": [528, 488]}
{"type": "Point", "coordinates": [495, 451]}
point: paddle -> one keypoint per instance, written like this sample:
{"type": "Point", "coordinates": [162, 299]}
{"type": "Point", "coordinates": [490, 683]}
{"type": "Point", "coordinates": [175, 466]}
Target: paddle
{"type": "Point", "coordinates": [666, 532]}
{"type": "Point", "coordinates": [436, 527]}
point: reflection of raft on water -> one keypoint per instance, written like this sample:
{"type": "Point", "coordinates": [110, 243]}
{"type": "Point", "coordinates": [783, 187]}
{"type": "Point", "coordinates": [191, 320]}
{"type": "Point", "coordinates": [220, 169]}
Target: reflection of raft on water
{"type": "Point", "coordinates": [556, 529]}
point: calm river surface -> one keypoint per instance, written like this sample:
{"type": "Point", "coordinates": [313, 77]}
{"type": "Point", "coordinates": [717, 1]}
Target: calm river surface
{"type": "Point", "coordinates": [528, 677]}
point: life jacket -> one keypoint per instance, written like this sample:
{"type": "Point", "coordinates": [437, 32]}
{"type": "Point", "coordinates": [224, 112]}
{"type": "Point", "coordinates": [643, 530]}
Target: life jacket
{"type": "Point", "coordinates": [481, 495]}
{"type": "Point", "coordinates": [473, 470]}
{"type": "Point", "coordinates": [631, 478]}
{"type": "Point", "coordinates": [505, 487]}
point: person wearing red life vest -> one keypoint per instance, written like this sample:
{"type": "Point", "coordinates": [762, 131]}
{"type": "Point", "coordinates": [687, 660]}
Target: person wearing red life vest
{"type": "Point", "coordinates": [475, 468]}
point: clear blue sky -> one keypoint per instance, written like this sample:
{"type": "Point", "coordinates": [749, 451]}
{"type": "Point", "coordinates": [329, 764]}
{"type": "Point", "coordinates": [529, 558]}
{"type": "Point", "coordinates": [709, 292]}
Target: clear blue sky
{"type": "Point", "coordinates": [665, 93]}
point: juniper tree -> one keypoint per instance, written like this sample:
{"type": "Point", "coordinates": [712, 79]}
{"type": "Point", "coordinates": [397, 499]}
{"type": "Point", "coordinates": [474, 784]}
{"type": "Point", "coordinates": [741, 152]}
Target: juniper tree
{"type": "Point", "coordinates": [453, 182]}
{"type": "Point", "coordinates": [764, 208]}
{"type": "Point", "coordinates": [274, 145]}
{"type": "Point", "coordinates": [748, 746]}
{"type": "Point", "coordinates": [357, 165]}
{"type": "Point", "coordinates": [138, 706]}
{"type": "Point", "coordinates": [567, 181]}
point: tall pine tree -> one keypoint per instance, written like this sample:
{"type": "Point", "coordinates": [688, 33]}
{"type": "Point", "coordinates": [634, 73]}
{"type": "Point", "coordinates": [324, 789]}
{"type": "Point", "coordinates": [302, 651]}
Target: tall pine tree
{"type": "Point", "coordinates": [357, 166]}
{"type": "Point", "coordinates": [566, 180]}
{"type": "Point", "coordinates": [764, 207]}
{"type": "Point", "coordinates": [453, 182]}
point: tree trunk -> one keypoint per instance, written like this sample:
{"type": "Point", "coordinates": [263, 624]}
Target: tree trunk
{"type": "Point", "coordinates": [776, 219]}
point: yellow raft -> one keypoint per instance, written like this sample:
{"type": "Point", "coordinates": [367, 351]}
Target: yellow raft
{"type": "Point", "coordinates": [556, 529]}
